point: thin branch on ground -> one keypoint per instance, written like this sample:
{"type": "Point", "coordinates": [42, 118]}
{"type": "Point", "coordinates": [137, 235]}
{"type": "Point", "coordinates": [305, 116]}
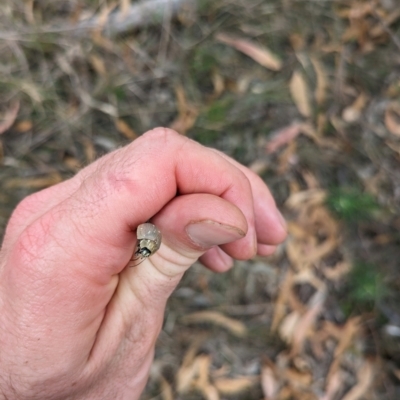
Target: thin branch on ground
{"type": "Point", "coordinates": [138, 15]}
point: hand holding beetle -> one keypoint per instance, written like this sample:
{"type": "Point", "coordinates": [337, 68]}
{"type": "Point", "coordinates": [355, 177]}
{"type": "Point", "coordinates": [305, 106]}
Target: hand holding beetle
{"type": "Point", "coordinates": [76, 323]}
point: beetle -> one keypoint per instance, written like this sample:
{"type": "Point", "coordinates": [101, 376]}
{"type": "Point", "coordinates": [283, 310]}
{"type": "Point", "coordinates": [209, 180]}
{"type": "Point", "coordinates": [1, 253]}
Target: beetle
{"type": "Point", "coordinates": [148, 241]}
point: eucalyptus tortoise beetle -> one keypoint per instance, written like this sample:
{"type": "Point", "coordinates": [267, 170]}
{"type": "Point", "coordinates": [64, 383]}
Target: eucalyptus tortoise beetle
{"type": "Point", "coordinates": [148, 241]}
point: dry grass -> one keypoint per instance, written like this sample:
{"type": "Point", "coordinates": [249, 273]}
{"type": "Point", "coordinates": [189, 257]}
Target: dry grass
{"type": "Point", "coordinates": [305, 92]}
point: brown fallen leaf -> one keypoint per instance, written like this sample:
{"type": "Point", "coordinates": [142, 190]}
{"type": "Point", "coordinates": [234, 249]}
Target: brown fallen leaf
{"type": "Point", "coordinates": [235, 385]}
{"type": "Point", "coordinates": [287, 158]}
{"type": "Point", "coordinates": [394, 146]}
{"type": "Point", "coordinates": [185, 377]}
{"type": "Point", "coordinates": [125, 129]}
{"type": "Point", "coordinates": [307, 321]}
{"type": "Point", "coordinates": [345, 337]}
{"type": "Point", "coordinates": [9, 117]}
{"type": "Point", "coordinates": [187, 113]}
{"type": "Point", "coordinates": [23, 126]}
{"type": "Point", "coordinates": [98, 65]}
{"type": "Point", "coordinates": [385, 21]}
{"type": "Point", "coordinates": [306, 198]}
{"type": "Point", "coordinates": [392, 118]}
{"type": "Point", "coordinates": [259, 166]}
{"type": "Point", "coordinates": [336, 272]}
{"type": "Point", "coordinates": [166, 389]}
{"type": "Point", "coordinates": [72, 163]}
{"type": "Point", "coordinates": [204, 364]}
{"type": "Point", "coordinates": [218, 83]}
{"type": "Point", "coordinates": [33, 183]}
{"type": "Point", "coordinates": [260, 54]}
{"type": "Point", "coordinates": [283, 136]}
{"type": "Point", "coordinates": [210, 392]}
{"type": "Point", "coordinates": [288, 326]}
{"type": "Point", "coordinates": [300, 94]}
{"type": "Point", "coordinates": [281, 302]}
{"type": "Point", "coordinates": [89, 150]}
{"type": "Point", "coordinates": [353, 112]}
{"type": "Point", "coordinates": [365, 379]}
{"type": "Point", "coordinates": [189, 368]}
{"type": "Point", "coordinates": [202, 382]}
{"type": "Point", "coordinates": [298, 378]}
{"type": "Point", "coordinates": [333, 386]}
{"type": "Point", "coordinates": [124, 8]}
{"type": "Point", "coordinates": [269, 380]}
{"type": "Point", "coordinates": [232, 325]}
{"type": "Point", "coordinates": [28, 10]}
{"type": "Point", "coordinates": [1, 153]}
{"type": "Point", "coordinates": [322, 81]}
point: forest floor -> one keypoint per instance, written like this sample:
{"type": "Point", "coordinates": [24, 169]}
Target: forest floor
{"type": "Point", "coordinates": [305, 93]}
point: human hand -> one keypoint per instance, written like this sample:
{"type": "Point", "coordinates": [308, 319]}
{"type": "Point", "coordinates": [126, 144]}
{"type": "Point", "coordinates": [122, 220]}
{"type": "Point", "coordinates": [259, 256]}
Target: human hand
{"type": "Point", "coordinates": [75, 323]}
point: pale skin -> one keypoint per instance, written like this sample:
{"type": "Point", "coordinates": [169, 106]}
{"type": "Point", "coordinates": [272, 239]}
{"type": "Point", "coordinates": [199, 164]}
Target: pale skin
{"type": "Point", "coordinates": [75, 322]}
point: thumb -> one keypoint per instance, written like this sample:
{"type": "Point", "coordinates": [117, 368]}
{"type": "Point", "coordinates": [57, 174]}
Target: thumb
{"type": "Point", "coordinates": [190, 225]}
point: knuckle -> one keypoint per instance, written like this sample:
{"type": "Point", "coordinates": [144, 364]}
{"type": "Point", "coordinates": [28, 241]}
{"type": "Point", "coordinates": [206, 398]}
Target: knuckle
{"type": "Point", "coordinates": [162, 136]}
{"type": "Point", "coordinates": [34, 240]}
{"type": "Point", "coordinates": [24, 209]}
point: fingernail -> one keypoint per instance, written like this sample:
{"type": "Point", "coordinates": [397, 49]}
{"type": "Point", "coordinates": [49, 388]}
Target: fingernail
{"type": "Point", "coordinates": [209, 233]}
{"type": "Point", "coordinates": [282, 220]}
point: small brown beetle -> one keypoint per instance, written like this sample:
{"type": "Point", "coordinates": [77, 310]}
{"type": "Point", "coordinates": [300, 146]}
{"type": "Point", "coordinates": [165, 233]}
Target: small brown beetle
{"type": "Point", "coordinates": [148, 240]}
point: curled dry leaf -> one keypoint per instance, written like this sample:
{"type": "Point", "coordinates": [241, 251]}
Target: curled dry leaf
{"type": "Point", "coordinates": [7, 121]}
{"type": "Point", "coordinates": [232, 325]}
{"type": "Point", "coordinates": [300, 94]}
{"type": "Point", "coordinates": [258, 53]}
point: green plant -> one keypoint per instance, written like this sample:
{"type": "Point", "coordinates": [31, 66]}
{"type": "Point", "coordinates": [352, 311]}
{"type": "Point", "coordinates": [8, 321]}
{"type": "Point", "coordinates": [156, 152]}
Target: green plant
{"type": "Point", "coordinates": [364, 289]}
{"type": "Point", "coordinates": [351, 204]}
